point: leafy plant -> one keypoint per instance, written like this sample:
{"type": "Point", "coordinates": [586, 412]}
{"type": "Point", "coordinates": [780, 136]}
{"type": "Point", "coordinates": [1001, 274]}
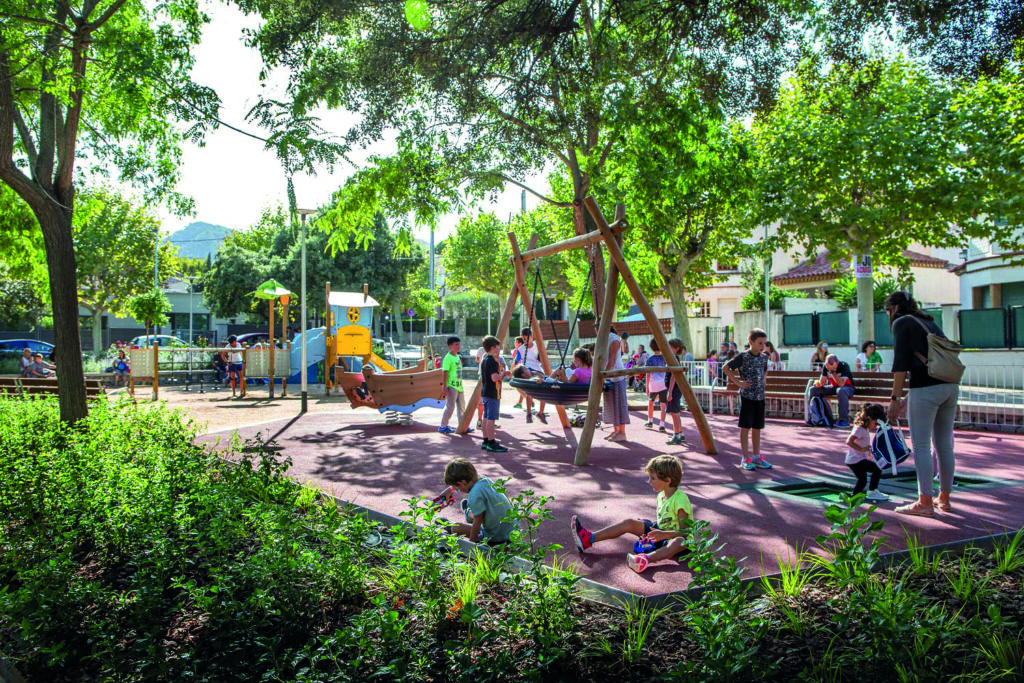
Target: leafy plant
{"type": "Point", "coordinates": [1002, 657]}
{"type": "Point", "coordinates": [965, 581]}
{"type": "Point", "coordinates": [640, 616]}
{"type": "Point", "coordinates": [852, 553]}
{"type": "Point", "coordinates": [920, 562]}
{"type": "Point", "coordinates": [794, 576]}
{"type": "Point", "coordinates": [845, 290]}
{"type": "Point", "coordinates": [1010, 556]}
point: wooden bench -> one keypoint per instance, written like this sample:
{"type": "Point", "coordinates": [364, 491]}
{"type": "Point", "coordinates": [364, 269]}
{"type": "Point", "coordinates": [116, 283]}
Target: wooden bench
{"type": "Point", "coordinates": [41, 386]}
{"type": "Point", "coordinates": [791, 385]}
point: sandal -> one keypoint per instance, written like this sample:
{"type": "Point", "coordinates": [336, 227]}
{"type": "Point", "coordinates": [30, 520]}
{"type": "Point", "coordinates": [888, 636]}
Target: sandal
{"type": "Point", "coordinates": [916, 509]}
{"type": "Point", "coordinates": [944, 506]}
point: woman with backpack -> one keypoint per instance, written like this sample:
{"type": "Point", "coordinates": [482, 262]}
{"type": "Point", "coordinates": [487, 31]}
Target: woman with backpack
{"type": "Point", "coordinates": [920, 352]}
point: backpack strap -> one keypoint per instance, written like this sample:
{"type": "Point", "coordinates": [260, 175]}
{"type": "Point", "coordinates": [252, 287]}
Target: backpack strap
{"type": "Point", "coordinates": [927, 330]}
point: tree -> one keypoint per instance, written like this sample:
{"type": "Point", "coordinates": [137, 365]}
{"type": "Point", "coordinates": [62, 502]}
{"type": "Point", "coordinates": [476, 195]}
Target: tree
{"type": "Point", "coordinates": [20, 301]}
{"type": "Point", "coordinates": [115, 244]}
{"type": "Point", "coordinates": [752, 280]}
{"type": "Point", "coordinates": [102, 79]}
{"type": "Point", "coordinates": [568, 72]}
{"type": "Point", "coordinates": [685, 174]}
{"type": "Point", "coordinates": [861, 162]}
{"type": "Point", "coordinates": [151, 308]}
{"type": "Point", "coordinates": [845, 291]}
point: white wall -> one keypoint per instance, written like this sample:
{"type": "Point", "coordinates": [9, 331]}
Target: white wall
{"type": "Point", "coordinates": [794, 306]}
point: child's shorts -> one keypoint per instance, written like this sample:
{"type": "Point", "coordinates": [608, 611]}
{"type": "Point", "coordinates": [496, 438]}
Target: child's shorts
{"type": "Point", "coordinates": [234, 367]}
{"type": "Point", "coordinates": [649, 526]}
{"type": "Point", "coordinates": [674, 406]}
{"type": "Point", "coordinates": [751, 414]}
{"type": "Point", "coordinates": [491, 406]}
{"type": "Point", "coordinates": [660, 396]}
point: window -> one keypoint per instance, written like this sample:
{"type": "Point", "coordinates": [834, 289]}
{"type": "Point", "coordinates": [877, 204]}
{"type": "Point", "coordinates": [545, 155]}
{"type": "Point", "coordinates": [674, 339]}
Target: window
{"type": "Point", "coordinates": [727, 266]}
{"type": "Point", "coordinates": [702, 309]}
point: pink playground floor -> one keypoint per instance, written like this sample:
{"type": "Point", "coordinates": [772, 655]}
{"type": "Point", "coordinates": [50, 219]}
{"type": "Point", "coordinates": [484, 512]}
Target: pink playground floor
{"type": "Point", "coordinates": [358, 458]}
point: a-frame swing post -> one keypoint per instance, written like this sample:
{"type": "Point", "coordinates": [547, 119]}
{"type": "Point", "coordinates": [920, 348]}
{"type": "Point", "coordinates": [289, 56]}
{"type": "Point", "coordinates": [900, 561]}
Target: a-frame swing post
{"type": "Point", "coordinates": [538, 338]}
{"type": "Point", "coordinates": [604, 328]}
{"type": "Point", "coordinates": [616, 257]}
{"type": "Point", "coordinates": [501, 333]}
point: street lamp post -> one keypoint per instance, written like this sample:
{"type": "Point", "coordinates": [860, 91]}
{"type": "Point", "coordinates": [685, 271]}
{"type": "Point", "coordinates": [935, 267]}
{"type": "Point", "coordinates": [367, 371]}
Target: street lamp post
{"type": "Point", "coordinates": [302, 314]}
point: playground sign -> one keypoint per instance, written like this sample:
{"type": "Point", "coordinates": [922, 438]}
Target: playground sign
{"type": "Point", "coordinates": [862, 266]}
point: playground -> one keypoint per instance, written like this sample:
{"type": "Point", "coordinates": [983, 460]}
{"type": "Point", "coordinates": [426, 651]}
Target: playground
{"type": "Point", "coordinates": [760, 516]}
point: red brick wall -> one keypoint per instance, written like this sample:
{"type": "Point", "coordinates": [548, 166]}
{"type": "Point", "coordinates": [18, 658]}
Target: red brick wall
{"type": "Point", "coordinates": [587, 329]}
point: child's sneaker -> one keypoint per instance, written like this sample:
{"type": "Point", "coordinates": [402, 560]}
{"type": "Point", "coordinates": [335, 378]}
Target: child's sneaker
{"type": "Point", "coordinates": [638, 562]}
{"type": "Point", "coordinates": [648, 424]}
{"type": "Point", "coordinates": [518, 405]}
{"type": "Point", "coordinates": [761, 463]}
{"type": "Point", "coordinates": [677, 440]}
{"type": "Point", "coordinates": [445, 430]}
{"type": "Point", "coordinates": [495, 447]}
{"type": "Point", "coordinates": [529, 417]}
{"type": "Point", "coordinates": [662, 429]}
{"type": "Point", "coordinates": [580, 535]}
{"type": "Point", "coordinates": [479, 424]}
{"type": "Point", "coordinates": [469, 430]}
{"type": "Point", "coordinates": [748, 464]}
{"type": "Point", "coordinates": [466, 512]}
{"type": "Point", "coordinates": [877, 496]}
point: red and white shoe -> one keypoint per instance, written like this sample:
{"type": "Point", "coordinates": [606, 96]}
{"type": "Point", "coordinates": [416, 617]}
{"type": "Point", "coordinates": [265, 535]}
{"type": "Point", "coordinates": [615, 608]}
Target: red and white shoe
{"type": "Point", "coordinates": [638, 562]}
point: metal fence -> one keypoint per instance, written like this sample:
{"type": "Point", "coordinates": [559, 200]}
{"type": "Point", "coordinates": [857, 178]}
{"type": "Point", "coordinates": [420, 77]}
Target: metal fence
{"type": "Point", "coordinates": [834, 327]}
{"type": "Point", "coordinates": [799, 329]}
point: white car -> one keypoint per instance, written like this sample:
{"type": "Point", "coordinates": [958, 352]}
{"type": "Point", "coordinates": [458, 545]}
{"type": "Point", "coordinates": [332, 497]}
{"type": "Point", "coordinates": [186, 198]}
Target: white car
{"type": "Point", "coordinates": [162, 340]}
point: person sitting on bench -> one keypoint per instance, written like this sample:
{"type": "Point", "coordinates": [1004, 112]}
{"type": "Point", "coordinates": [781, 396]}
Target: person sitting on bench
{"type": "Point", "coordinates": [39, 367]}
{"type": "Point", "coordinates": [836, 380]}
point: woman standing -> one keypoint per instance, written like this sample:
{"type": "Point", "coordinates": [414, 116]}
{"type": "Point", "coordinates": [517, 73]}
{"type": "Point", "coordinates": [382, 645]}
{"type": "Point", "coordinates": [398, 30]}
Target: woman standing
{"type": "Point", "coordinates": [616, 409]}
{"type": "Point", "coordinates": [931, 404]}
{"type": "Point", "coordinates": [820, 354]}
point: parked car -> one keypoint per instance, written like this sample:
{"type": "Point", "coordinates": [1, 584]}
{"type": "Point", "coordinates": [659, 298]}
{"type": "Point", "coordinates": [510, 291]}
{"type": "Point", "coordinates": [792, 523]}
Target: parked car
{"type": "Point", "coordinates": [162, 340]}
{"type": "Point", "coordinates": [15, 347]}
{"type": "Point", "coordinates": [250, 339]}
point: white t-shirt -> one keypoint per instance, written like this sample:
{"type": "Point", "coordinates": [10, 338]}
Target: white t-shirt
{"type": "Point", "coordinates": [532, 358]}
{"type": "Point", "coordinates": [234, 357]}
{"type": "Point", "coordinates": [862, 360]}
{"type": "Point", "coordinates": [862, 437]}
{"type": "Point", "coordinates": [612, 338]}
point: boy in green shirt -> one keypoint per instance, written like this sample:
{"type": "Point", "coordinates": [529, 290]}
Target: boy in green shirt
{"type": "Point", "coordinates": [664, 474]}
{"type": "Point", "coordinates": [454, 402]}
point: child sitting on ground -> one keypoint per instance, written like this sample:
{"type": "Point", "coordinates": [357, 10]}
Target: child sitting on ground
{"type": "Point", "coordinates": [858, 451]}
{"type": "Point", "coordinates": [484, 507]}
{"type": "Point", "coordinates": [665, 472]}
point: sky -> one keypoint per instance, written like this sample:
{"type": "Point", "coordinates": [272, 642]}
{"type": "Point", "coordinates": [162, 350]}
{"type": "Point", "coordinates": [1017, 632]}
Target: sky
{"type": "Point", "coordinates": [232, 178]}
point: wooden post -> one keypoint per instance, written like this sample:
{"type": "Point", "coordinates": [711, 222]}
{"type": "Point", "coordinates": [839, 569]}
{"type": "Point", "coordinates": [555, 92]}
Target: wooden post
{"type": "Point", "coordinates": [600, 360]}
{"type": "Point", "coordinates": [156, 370]}
{"type": "Point", "coordinates": [616, 257]}
{"type": "Point", "coordinates": [500, 333]}
{"type": "Point", "coordinates": [242, 373]}
{"type": "Point", "coordinates": [329, 356]}
{"type": "Point", "coordinates": [538, 338]}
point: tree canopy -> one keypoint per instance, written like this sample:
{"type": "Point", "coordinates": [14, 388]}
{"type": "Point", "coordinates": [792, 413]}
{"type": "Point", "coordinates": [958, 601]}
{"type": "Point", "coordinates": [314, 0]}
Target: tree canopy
{"type": "Point", "coordinates": [115, 246]}
{"type": "Point", "coordinates": [101, 81]}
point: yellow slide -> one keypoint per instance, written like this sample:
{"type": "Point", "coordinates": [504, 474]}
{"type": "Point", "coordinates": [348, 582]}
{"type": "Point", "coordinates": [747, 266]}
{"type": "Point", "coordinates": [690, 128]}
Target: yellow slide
{"type": "Point", "coordinates": [378, 362]}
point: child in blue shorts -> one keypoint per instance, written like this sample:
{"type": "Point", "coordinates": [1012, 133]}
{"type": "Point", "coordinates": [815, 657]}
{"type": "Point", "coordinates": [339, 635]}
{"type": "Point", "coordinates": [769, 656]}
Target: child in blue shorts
{"type": "Point", "coordinates": [665, 473]}
{"type": "Point", "coordinates": [491, 375]}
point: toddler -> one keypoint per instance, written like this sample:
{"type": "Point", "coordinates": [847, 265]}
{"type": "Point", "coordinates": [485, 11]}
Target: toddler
{"type": "Point", "coordinates": [858, 451]}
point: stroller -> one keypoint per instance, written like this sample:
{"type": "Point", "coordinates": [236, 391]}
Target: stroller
{"type": "Point", "coordinates": [637, 382]}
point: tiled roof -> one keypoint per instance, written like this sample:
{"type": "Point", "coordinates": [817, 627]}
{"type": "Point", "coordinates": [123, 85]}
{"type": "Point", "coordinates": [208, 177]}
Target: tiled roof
{"type": "Point", "coordinates": [822, 268]}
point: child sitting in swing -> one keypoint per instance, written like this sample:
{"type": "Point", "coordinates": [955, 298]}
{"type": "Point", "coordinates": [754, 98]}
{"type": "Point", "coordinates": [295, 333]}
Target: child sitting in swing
{"type": "Point", "coordinates": [580, 372]}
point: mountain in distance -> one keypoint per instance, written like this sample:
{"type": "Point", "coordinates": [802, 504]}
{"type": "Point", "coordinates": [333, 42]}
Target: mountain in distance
{"type": "Point", "coordinates": [198, 239]}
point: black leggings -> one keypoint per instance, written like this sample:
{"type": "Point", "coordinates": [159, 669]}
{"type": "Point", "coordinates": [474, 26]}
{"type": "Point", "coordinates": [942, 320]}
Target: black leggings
{"type": "Point", "coordinates": [862, 469]}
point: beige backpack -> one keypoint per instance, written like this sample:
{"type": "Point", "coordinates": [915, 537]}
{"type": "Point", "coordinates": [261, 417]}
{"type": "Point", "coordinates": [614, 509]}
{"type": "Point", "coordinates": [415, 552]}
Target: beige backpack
{"type": "Point", "coordinates": [943, 360]}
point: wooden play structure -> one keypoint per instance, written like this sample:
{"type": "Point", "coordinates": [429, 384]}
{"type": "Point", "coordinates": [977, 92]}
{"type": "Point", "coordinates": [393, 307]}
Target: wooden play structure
{"type": "Point", "coordinates": [350, 350]}
{"type": "Point", "coordinates": [611, 237]}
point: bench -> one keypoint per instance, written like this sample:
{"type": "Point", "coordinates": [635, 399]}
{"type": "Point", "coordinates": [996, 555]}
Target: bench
{"type": "Point", "coordinates": [791, 385]}
{"type": "Point", "coordinates": [42, 386]}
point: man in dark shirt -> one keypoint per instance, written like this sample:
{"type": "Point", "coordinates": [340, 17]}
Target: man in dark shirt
{"type": "Point", "coordinates": [836, 380]}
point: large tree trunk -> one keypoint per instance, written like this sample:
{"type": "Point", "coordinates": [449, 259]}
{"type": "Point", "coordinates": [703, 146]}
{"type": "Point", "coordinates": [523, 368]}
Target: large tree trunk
{"type": "Point", "coordinates": [865, 307]}
{"type": "Point", "coordinates": [583, 225]}
{"type": "Point", "coordinates": [60, 261]}
{"type": "Point", "coordinates": [680, 313]}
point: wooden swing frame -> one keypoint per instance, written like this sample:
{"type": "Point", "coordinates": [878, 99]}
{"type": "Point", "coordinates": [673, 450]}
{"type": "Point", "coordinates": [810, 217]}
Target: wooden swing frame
{"type": "Point", "coordinates": [611, 237]}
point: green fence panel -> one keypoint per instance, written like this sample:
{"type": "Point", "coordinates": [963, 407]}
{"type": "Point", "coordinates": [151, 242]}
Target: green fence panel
{"type": "Point", "coordinates": [834, 327]}
{"type": "Point", "coordinates": [983, 328]}
{"type": "Point", "coordinates": [1018, 326]}
{"type": "Point", "coordinates": [883, 336]}
{"type": "Point", "coordinates": [798, 330]}
{"type": "Point", "coordinates": [935, 313]}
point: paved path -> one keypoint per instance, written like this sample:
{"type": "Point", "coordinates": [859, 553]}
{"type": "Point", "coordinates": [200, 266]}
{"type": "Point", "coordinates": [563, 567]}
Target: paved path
{"type": "Point", "coordinates": [354, 455]}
